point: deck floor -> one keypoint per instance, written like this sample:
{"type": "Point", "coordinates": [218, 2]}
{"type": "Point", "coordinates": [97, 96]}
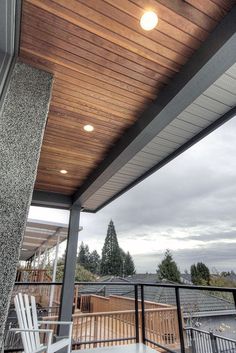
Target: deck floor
{"type": "Point", "coordinates": [129, 348]}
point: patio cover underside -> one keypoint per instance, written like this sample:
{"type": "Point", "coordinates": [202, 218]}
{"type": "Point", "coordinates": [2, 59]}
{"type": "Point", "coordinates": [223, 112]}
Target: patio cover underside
{"type": "Point", "coordinates": [200, 98]}
{"type": "Point", "coordinates": [41, 236]}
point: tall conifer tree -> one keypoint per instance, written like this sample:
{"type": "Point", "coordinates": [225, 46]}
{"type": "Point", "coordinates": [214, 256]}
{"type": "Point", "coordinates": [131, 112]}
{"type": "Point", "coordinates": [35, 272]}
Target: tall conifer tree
{"type": "Point", "coordinates": [83, 256]}
{"type": "Point", "coordinates": [111, 263]}
{"type": "Point", "coordinates": [129, 268]}
{"type": "Point", "coordinates": [168, 268]}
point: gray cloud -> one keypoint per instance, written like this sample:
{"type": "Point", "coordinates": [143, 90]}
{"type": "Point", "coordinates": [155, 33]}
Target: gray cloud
{"type": "Point", "coordinates": [216, 256]}
{"type": "Point", "coordinates": [213, 236]}
{"type": "Point", "coordinates": [194, 197]}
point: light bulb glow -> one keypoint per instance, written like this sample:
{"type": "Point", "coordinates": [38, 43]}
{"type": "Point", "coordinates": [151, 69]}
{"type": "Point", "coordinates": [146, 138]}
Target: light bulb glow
{"type": "Point", "coordinates": [63, 171]}
{"type": "Point", "coordinates": [149, 20]}
{"type": "Point", "coordinates": [88, 128]}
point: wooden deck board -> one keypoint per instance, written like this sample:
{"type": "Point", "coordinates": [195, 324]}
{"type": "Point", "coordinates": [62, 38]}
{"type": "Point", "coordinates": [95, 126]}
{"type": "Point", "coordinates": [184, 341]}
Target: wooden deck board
{"type": "Point", "coordinates": [129, 348]}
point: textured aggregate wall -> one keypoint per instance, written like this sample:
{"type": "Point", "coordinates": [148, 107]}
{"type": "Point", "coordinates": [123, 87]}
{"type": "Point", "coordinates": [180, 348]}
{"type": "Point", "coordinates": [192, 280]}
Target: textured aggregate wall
{"type": "Point", "coordinates": [22, 124]}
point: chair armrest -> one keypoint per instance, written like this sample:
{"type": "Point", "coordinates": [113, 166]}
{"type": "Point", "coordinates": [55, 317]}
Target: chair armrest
{"type": "Point", "coordinates": [31, 330]}
{"type": "Point", "coordinates": [48, 333]}
{"type": "Point", "coordinates": [56, 322]}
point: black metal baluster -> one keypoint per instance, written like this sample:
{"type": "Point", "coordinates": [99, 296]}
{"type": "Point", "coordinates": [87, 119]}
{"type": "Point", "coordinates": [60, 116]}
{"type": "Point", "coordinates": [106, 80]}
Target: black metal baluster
{"type": "Point", "coordinates": [136, 313]}
{"type": "Point", "coordinates": [143, 314]}
{"type": "Point", "coordinates": [180, 320]}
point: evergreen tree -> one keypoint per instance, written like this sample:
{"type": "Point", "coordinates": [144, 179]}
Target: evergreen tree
{"type": "Point", "coordinates": [168, 268]}
{"type": "Point", "coordinates": [83, 256]}
{"type": "Point", "coordinates": [129, 268]}
{"type": "Point", "coordinates": [123, 254]}
{"type": "Point", "coordinates": [81, 274]}
{"type": "Point", "coordinates": [111, 263]}
{"type": "Point", "coordinates": [194, 274]}
{"type": "Point", "coordinates": [200, 274]}
{"type": "Point", "coordinates": [94, 262]}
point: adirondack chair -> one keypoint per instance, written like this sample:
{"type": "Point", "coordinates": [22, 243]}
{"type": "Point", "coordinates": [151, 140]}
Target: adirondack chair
{"type": "Point", "coordinates": [29, 328]}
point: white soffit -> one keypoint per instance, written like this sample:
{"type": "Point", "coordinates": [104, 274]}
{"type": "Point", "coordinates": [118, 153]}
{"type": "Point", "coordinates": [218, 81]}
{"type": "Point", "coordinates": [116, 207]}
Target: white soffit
{"type": "Point", "coordinates": [217, 100]}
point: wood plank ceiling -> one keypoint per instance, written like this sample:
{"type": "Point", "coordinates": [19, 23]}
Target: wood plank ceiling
{"type": "Point", "coordinates": [107, 70]}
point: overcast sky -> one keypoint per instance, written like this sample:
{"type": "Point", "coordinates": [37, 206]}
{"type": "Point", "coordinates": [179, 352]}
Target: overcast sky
{"type": "Point", "coordinates": [189, 207]}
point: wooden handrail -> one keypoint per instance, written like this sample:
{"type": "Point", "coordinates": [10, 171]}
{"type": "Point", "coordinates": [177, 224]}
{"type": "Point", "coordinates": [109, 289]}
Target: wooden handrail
{"type": "Point", "coordinates": [122, 312]}
{"type": "Point", "coordinates": [161, 326]}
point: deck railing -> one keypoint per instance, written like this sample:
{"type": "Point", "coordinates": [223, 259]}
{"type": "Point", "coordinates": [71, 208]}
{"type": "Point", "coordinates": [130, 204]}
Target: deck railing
{"type": "Point", "coordinates": [154, 324]}
{"type": "Point", "coordinates": [200, 341]}
{"type": "Point", "coordinates": [32, 275]}
{"type": "Point", "coordinates": [101, 329]}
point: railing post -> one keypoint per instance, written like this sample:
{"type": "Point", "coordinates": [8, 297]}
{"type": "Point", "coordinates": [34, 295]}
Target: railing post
{"type": "Point", "coordinates": [213, 343]}
{"type": "Point", "coordinates": [143, 315]}
{"type": "Point", "coordinates": [136, 313]}
{"type": "Point", "coordinates": [192, 341]}
{"type": "Point", "coordinates": [180, 320]}
{"type": "Point", "coordinates": [234, 295]}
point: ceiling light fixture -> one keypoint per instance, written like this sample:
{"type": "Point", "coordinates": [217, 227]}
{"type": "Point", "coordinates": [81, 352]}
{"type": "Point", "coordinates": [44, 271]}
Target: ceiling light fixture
{"type": "Point", "coordinates": [88, 128]}
{"type": "Point", "coordinates": [63, 171]}
{"type": "Point", "coordinates": [149, 20]}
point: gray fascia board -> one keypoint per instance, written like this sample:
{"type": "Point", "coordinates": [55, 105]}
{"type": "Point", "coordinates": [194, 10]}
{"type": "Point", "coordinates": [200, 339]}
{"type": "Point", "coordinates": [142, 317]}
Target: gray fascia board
{"type": "Point", "coordinates": [215, 125]}
{"type": "Point", "coordinates": [215, 56]}
{"type": "Point", "coordinates": [51, 200]}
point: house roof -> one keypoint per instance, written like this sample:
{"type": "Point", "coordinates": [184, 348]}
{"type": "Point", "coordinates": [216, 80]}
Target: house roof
{"type": "Point", "coordinates": [144, 278]}
{"type": "Point", "coordinates": [107, 290]}
{"type": "Point", "coordinates": [186, 276]}
{"type": "Point", "coordinates": [192, 301]}
{"type": "Point", "coordinates": [149, 95]}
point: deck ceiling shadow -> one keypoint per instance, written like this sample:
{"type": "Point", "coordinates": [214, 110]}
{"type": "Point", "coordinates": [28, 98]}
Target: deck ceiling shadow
{"type": "Point", "coordinates": [149, 95]}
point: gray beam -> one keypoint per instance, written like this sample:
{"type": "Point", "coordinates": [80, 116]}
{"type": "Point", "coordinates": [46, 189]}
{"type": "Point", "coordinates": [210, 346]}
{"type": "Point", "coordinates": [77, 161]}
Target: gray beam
{"type": "Point", "coordinates": [22, 124]}
{"type": "Point", "coordinates": [67, 294]}
{"type": "Point", "coordinates": [51, 199]}
{"type": "Point", "coordinates": [216, 55]}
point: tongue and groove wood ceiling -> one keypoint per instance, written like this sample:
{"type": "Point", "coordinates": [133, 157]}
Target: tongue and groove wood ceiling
{"type": "Point", "coordinates": [107, 71]}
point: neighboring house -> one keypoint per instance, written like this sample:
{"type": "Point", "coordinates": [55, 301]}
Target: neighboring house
{"type": "Point", "coordinates": [144, 278]}
{"type": "Point", "coordinates": [203, 310]}
{"type": "Point", "coordinates": [186, 278]}
{"type": "Point", "coordinates": [106, 290]}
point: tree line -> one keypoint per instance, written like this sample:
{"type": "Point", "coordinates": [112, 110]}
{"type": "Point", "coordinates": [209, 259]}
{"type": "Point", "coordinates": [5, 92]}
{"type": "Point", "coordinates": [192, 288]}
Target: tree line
{"type": "Point", "coordinates": [114, 260]}
{"type": "Point", "coordinates": [168, 269]}
{"type": "Point", "coordinates": [199, 273]}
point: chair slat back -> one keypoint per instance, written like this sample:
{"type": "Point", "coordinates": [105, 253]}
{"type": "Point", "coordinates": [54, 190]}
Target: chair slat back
{"type": "Point", "coordinates": [27, 319]}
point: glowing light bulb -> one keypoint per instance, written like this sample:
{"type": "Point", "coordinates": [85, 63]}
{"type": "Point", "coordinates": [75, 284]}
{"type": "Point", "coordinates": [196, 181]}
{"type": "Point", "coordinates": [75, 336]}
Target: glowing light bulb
{"type": "Point", "coordinates": [149, 20]}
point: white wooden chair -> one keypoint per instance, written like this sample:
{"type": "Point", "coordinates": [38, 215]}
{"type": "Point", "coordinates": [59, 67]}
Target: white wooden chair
{"type": "Point", "coordinates": [29, 328]}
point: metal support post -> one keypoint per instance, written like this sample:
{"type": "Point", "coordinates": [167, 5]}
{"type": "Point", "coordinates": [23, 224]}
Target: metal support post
{"type": "Point", "coordinates": [192, 341]}
{"type": "Point", "coordinates": [143, 315]}
{"type": "Point", "coordinates": [234, 296]}
{"type": "Point", "coordinates": [39, 258]}
{"type": "Point", "coordinates": [136, 313]}
{"type": "Point", "coordinates": [67, 293]}
{"type": "Point", "coordinates": [54, 272]}
{"type": "Point", "coordinates": [180, 320]}
{"type": "Point", "coordinates": [213, 343]}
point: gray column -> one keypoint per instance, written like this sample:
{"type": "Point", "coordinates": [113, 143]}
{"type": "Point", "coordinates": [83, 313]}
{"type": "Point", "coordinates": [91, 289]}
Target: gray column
{"type": "Point", "coordinates": [22, 124]}
{"type": "Point", "coordinates": [67, 294]}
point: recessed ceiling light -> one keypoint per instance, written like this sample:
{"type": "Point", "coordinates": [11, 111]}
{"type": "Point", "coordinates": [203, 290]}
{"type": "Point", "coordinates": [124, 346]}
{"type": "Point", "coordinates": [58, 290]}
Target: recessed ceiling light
{"type": "Point", "coordinates": [88, 128]}
{"type": "Point", "coordinates": [63, 171]}
{"type": "Point", "coordinates": [149, 20]}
